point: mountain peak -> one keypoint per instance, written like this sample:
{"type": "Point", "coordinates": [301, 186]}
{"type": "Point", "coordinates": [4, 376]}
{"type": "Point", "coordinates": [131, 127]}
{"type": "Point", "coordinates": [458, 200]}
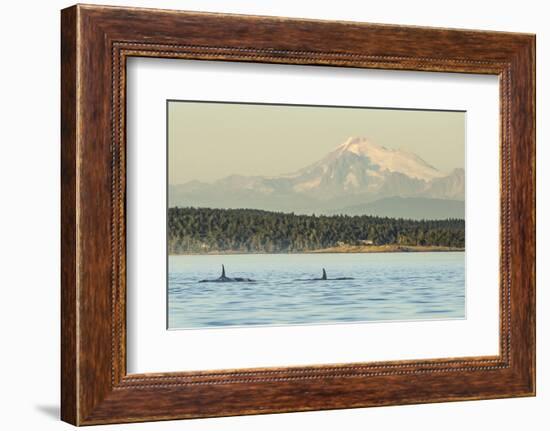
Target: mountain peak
{"type": "Point", "coordinates": [360, 146]}
{"type": "Point", "coordinates": [388, 159]}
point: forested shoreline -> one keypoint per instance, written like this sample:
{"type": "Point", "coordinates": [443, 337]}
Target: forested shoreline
{"type": "Point", "coordinates": [209, 230]}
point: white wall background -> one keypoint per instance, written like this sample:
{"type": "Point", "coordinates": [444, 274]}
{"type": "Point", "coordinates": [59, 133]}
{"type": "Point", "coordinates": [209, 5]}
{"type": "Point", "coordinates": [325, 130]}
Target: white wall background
{"type": "Point", "coordinates": [29, 216]}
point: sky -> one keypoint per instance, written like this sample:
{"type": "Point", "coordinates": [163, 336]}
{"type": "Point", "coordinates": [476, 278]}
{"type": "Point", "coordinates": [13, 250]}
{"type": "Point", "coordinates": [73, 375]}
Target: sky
{"type": "Point", "coordinates": [208, 141]}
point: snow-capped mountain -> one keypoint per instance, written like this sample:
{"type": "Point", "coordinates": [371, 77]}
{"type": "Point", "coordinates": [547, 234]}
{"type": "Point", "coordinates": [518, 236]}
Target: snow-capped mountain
{"type": "Point", "coordinates": [359, 166]}
{"type": "Point", "coordinates": [356, 172]}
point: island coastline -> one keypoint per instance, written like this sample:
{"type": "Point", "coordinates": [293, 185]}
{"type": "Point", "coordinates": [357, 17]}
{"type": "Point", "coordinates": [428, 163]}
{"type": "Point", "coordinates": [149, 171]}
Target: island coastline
{"type": "Point", "coordinates": [358, 249]}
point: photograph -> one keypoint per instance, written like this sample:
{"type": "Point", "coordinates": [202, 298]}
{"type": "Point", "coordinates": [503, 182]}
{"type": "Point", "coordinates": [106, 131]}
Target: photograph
{"type": "Point", "coordinates": [281, 214]}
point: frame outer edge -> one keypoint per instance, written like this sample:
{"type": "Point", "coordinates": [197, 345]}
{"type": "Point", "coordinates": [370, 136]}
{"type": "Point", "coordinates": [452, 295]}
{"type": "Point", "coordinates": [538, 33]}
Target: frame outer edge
{"type": "Point", "coordinates": [88, 397]}
{"type": "Point", "coordinates": [523, 217]}
{"type": "Point", "coordinates": [533, 54]}
{"type": "Point", "coordinates": [532, 101]}
{"type": "Point", "coordinates": [69, 202]}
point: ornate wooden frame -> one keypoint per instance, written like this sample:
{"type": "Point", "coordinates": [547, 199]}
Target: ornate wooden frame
{"type": "Point", "coordinates": [95, 42]}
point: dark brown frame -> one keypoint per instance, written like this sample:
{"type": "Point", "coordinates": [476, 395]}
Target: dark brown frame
{"type": "Point", "coordinates": [95, 43]}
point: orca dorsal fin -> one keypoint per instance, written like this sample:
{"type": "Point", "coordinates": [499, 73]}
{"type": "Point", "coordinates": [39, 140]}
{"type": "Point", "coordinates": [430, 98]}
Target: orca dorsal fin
{"type": "Point", "coordinates": [223, 272]}
{"type": "Point", "coordinates": [324, 275]}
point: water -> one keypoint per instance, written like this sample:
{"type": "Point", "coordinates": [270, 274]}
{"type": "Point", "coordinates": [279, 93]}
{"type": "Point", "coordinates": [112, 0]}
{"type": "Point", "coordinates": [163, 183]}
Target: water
{"type": "Point", "coordinates": [386, 286]}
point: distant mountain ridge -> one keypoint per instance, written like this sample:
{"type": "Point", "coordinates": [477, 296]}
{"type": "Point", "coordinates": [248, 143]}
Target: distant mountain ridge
{"type": "Point", "coordinates": [355, 173]}
{"type": "Point", "coordinates": [408, 208]}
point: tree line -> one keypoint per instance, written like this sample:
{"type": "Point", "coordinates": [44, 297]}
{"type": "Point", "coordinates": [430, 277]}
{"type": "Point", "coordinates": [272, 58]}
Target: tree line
{"type": "Point", "coordinates": [203, 230]}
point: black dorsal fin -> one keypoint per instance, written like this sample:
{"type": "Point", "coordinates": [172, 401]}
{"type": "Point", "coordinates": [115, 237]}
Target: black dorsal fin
{"type": "Point", "coordinates": [324, 275]}
{"type": "Point", "coordinates": [223, 272]}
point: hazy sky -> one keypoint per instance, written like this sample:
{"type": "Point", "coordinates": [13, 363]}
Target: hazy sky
{"type": "Point", "coordinates": [208, 141]}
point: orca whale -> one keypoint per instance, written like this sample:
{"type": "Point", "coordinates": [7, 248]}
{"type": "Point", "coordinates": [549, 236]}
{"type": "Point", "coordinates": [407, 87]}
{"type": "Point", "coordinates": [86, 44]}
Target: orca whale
{"type": "Point", "coordinates": [324, 277]}
{"type": "Point", "coordinates": [224, 279]}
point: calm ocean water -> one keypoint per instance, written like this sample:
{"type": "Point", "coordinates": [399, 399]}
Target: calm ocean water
{"type": "Point", "coordinates": [385, 286]}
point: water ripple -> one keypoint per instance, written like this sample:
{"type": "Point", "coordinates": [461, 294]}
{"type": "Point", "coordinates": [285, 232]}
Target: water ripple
{"type": "Point", "coordinates": [384, 287]}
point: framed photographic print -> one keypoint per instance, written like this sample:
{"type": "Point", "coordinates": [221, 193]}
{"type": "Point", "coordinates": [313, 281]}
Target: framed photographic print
{"type": "Point", "coordinates": [268, 215]}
